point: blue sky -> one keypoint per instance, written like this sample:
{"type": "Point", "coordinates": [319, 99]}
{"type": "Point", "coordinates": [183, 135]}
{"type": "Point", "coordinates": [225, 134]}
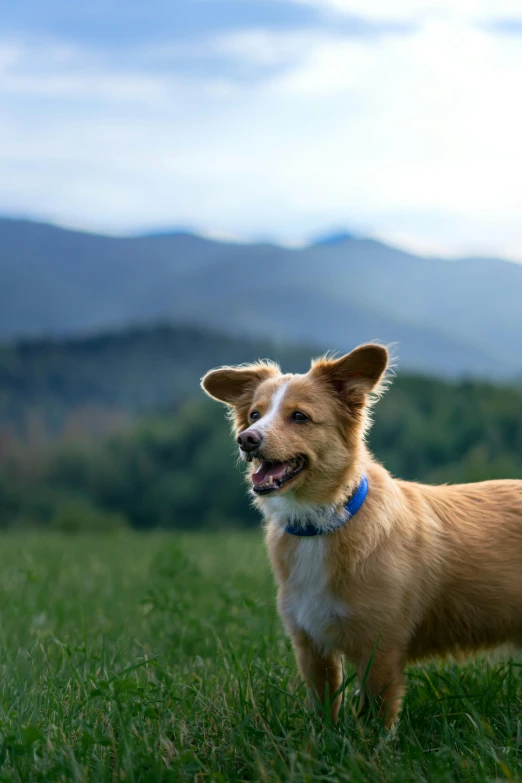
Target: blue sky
{"type": "Point", "coordinates": [278, 119]}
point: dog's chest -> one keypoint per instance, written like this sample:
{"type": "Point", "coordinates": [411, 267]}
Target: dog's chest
{"type": "Point", "coordinates": [307, 601]}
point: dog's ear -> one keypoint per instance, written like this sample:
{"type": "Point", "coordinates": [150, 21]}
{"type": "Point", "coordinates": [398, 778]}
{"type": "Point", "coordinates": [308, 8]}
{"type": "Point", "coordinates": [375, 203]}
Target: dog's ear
{"type": "Point", "coordinates": [231, 384]}
{"type": "Point", "coordinates": [355, 375]}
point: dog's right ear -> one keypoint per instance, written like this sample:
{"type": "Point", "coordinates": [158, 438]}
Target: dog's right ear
{"type": "Point", "coordinates": [231, 384]}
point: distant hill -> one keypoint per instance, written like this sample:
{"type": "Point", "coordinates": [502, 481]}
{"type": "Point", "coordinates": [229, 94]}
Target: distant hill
{"type": "Point", "coordinates": [446, 317]}
{"type": "Point", "coordinates": [128, 372]}
{"type": "Point", "coordinates": [176, 469]}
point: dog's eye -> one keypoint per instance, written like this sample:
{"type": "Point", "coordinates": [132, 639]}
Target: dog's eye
{"type": "Point", "coordinates": [299, 416]}
{"type": "Point", "coordinates": [254, 416]}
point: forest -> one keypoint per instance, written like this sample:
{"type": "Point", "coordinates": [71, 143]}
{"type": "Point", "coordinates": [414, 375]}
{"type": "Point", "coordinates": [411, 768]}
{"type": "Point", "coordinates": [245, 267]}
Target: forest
{"type": "Point", "coordinates": [107, 433]}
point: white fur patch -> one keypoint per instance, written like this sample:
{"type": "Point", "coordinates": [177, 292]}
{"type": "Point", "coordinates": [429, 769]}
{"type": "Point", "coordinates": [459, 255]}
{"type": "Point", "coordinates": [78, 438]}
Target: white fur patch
{"type": "Point", "coordinates": [264, 423]}
{"type": "Point", "coordinates": [307, 604]}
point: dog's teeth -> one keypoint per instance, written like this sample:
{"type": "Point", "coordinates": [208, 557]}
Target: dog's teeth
{"type": "Point", "coordinates": [271, 480]}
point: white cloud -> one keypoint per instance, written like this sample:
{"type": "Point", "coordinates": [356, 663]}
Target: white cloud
{"type": "Point", "coordinates": [53, 70]}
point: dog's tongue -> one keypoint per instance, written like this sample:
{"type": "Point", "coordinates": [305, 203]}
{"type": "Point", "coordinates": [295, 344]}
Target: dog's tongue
{"type": "Point", "coordinates": [266, 470]}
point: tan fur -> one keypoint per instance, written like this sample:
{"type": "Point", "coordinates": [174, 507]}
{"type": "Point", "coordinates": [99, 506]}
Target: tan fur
{"type": "Point", "coordinates": [422, 570]}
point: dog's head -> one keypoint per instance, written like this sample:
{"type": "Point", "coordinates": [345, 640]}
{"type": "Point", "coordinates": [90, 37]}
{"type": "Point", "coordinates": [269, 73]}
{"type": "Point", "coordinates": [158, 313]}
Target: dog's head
{"type": "Point", "coordinates": [301, 433]}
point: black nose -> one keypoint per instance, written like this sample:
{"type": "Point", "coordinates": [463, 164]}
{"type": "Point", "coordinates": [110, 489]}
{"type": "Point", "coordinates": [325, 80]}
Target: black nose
{"type": "Point", "coordinates": [249, 440]}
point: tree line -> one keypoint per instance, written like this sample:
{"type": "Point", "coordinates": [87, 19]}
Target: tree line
{"type": "Point", "coordinates": [176, 468]}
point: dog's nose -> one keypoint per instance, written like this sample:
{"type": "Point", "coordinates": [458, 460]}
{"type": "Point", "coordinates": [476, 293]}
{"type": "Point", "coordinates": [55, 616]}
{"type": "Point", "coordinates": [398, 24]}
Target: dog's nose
{"type": "Point", "coordinates": [249, 440]}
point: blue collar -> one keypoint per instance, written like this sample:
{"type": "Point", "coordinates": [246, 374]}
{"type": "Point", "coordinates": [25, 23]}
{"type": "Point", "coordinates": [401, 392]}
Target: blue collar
{"type": "Point", "coordinates": [351, 508]}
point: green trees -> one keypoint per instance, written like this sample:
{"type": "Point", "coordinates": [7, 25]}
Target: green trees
{"type": "Point", "coordinates": [430, 430]}
{"type": "Point", "coordinates": [177, 470]}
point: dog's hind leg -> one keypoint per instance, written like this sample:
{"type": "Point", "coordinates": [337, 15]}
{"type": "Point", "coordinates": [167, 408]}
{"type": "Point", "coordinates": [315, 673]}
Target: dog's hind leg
{"type": "Point", "coordinates": [322, 671]}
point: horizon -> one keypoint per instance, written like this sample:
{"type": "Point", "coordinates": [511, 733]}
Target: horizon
{"type": "Point", "coordinates": [323, 238]}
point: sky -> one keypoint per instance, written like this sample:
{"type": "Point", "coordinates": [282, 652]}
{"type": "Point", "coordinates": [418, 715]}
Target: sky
{"type": "Point", "coordinates": [267, 119]}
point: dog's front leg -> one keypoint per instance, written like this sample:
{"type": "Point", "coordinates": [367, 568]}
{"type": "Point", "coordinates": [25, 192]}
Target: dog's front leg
{"type": "Point", "coordinates": [320, 670]}
{"type": "Point", "coordinates": [382, 679]}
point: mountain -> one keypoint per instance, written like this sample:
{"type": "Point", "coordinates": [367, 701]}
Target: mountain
{"type": "Point", "coordinates": [447, 317]}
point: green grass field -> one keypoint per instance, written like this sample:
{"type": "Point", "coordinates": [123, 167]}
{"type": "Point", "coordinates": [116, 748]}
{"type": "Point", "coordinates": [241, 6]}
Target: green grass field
{"type": "Point", "coordinates": [161, 658]}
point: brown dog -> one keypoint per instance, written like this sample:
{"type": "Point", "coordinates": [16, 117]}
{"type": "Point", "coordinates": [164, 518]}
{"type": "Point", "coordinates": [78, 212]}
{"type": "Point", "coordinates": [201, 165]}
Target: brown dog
{"type": "Point", "coordinates": [381, 571]}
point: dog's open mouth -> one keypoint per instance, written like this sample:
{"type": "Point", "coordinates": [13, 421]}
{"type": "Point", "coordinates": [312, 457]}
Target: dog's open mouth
{"type": "Point", "coordinates": [270, 476]}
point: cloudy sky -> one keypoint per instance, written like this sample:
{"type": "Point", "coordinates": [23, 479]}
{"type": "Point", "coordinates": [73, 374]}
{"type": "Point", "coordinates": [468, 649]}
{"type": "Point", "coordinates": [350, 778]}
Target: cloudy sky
{"type": "Point", "coordinates": [281, 119]}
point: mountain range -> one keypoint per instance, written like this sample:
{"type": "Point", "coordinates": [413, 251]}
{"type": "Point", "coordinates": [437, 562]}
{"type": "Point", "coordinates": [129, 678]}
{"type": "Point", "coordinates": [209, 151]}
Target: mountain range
{"type": "Point", "coordinates": [450, 317]}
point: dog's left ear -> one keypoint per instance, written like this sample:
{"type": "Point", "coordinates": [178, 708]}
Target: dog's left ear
{"type": "Point", "coordinates": [357, 374]}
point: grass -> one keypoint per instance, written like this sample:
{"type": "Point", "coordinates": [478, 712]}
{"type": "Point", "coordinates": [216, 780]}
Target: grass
{"type": "Point", "coordinates": [161, 658]}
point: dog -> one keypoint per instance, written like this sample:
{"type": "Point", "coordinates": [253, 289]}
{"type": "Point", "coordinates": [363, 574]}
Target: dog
{"type": "Point", "coordinates": [382, 571]}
